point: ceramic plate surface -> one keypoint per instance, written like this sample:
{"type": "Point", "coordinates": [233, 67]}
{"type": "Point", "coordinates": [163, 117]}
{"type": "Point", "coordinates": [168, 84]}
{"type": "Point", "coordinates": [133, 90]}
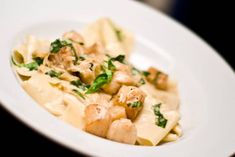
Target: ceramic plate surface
{"type": "Point", "coordinates": [206, 82]}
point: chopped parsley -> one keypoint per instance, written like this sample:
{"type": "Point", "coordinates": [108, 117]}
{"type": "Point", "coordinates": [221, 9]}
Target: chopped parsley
{"type": "Point", "coordinates": [119, 58]}
{"type": "Point", "coordinates": [107, 55]}
{"type": "Point", "coordinates": [141, 81]}
{"type": "Point", "coordinates": [135, 71]}
{"type": "Point", "coordinates": [81, 58]}
{"type": "Point", "coordinates": [160, 120]}
{"type": "Point", "coordinates": [78, 93]}
{"type": "Point", "coordinates": [38, 60]}
{"type": "Point", "coordinates": [76, 83]}
{"type": "Point", "coordinates": [146, 73]}
{"type": "Point", "coordinates": [79, 84]}
{"type": "Point", "coordinates": [58, 44]}
{"type": "Point", "coordinates": [100, 81]}
{"type": "Point", "coordinates": [31, 66]}
{"type": "Point", "coordinates": [53, 73]}
{"type": "Point", "coordinates": [135, 104]}
{"type": "Point", "coordinates": [111, 66]}
{"type": "Point", "coordinates": [106, 76]}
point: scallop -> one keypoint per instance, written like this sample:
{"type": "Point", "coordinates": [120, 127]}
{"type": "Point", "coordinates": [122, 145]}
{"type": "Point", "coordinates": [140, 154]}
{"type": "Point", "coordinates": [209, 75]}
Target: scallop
{"type": "Point", "coordinates": [97, 120]}
{"type": "Point", "coordinates": [132, 98]}
{"type": "Point", "coordinates": [123, 131]}
{"type": "Point", "coordinates": [117, 112]}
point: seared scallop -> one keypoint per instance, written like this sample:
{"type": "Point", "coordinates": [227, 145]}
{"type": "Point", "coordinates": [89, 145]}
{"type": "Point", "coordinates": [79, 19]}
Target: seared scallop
{"type": "Point", "coordinates": [64, 59]}
{"type": "Point", "coordinates": [158, 78]}
{"type": "Point", "coordinates": [88, 70]}
{"type": "Point", "coordinates": [97, 120]}
{"type": "Point", "coordinates": [132, 98]}
{"type": "Point", "coordinates": [120, 78]}
{"type": "Point", "coordinates": [123, 131]}
{"type": "Point", "coordinates": [117, 112]}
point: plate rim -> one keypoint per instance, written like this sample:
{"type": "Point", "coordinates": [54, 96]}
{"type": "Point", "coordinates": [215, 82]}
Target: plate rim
{"type": "Point", "coordinates": [38, 129]}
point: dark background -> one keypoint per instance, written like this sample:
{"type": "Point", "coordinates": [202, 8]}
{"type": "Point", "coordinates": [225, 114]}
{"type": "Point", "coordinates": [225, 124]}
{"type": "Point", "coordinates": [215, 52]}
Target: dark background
{"type": "Point", "coordinates": [211, 20]}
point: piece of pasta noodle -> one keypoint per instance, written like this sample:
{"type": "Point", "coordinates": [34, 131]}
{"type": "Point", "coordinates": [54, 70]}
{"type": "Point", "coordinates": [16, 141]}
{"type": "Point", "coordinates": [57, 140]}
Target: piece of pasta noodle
{"type": "Point", "coordinates": [170, 138]}
{"type": "Point", "coordinates": [114, 39]}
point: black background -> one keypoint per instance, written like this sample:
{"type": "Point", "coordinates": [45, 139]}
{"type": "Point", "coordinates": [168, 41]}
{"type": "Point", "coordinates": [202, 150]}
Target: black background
{"type": "Point", "coordinates": [211, 20]}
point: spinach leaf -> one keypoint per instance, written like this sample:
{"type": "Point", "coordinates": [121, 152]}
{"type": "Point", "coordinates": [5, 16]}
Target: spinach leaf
{"type": "Point", "coordinates": [141, 81]}
{"type": "Point", "coordinates": [58, 44]}
{"type": "Point", "coordinates": [135, 104]}
{"type": "Point", "coordinates": [79, 84]}
{"type": "Point", "coordinates": [53, 73]}
{"type": "Point", "coordinates": [160, 121]}
{"type": "Point", "coordinates": [31, 66]}
{"type": "Point", "coordinates": [119, 58]}
{"type": "Point", "coordinates": [78, 93]}
{"type": "Point", "coordinates": [106, 76]}
{"type": "Point", "coordinates": [100, 80]}
{"type": "Point", "coordinates": [146, 73]}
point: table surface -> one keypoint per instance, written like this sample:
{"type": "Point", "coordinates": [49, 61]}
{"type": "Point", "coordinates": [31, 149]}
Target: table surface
{"type": "Point", "coordinates": [14, 135]}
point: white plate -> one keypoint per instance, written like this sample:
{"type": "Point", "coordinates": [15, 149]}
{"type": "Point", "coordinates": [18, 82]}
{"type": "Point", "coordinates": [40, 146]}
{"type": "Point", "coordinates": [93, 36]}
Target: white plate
{"type": "Point", "coordinates": [207, 83]}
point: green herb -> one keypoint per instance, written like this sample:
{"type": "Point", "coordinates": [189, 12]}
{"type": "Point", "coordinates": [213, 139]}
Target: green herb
{"type": "Point", "coordinates": [80, 85]}
{"type": "Point", "coordinates": [79, 93]}
{"type": "Point", "coordinates": [38, 60]}
{"type": "Point", "coordinates": [119, 58]}
{"type": "Point", "coordinates": [135, 104]}
{"type": "Point", "coordinates": [31, 66]}
{"type": "Point", "coordinates": [81, 58]}
{"type": "Point", "coordinates": [106, 76]}
{"type": "Point", "coordinates": [111, 66]}
{"type": "Point", "coordinates": [76, 83]}
{"type": "Point", "coordinates": [86, 86]}
{"type": "Point", "coordinates": [58, 44]}
{"type": "Point", "coordinates": [135, 71]}
{"type": "Point", "coordinates": [53, 73]}
{"type": "Point", "coordinates": [160, 120]}
{"type": "Point", "coordinates": [100, 81]}
{"type": "Point", "coordinates": [142, 81]}
{"type": "Point", "coordinates": [109, 74]}
{"type": "Point", "coordinates": [146, 73]}
{"type": "Point", "coordinates": [108, 55]}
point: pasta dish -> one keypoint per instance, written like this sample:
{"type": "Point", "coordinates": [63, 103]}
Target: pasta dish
{"type": "Point", "coordinates": [85, 79]}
